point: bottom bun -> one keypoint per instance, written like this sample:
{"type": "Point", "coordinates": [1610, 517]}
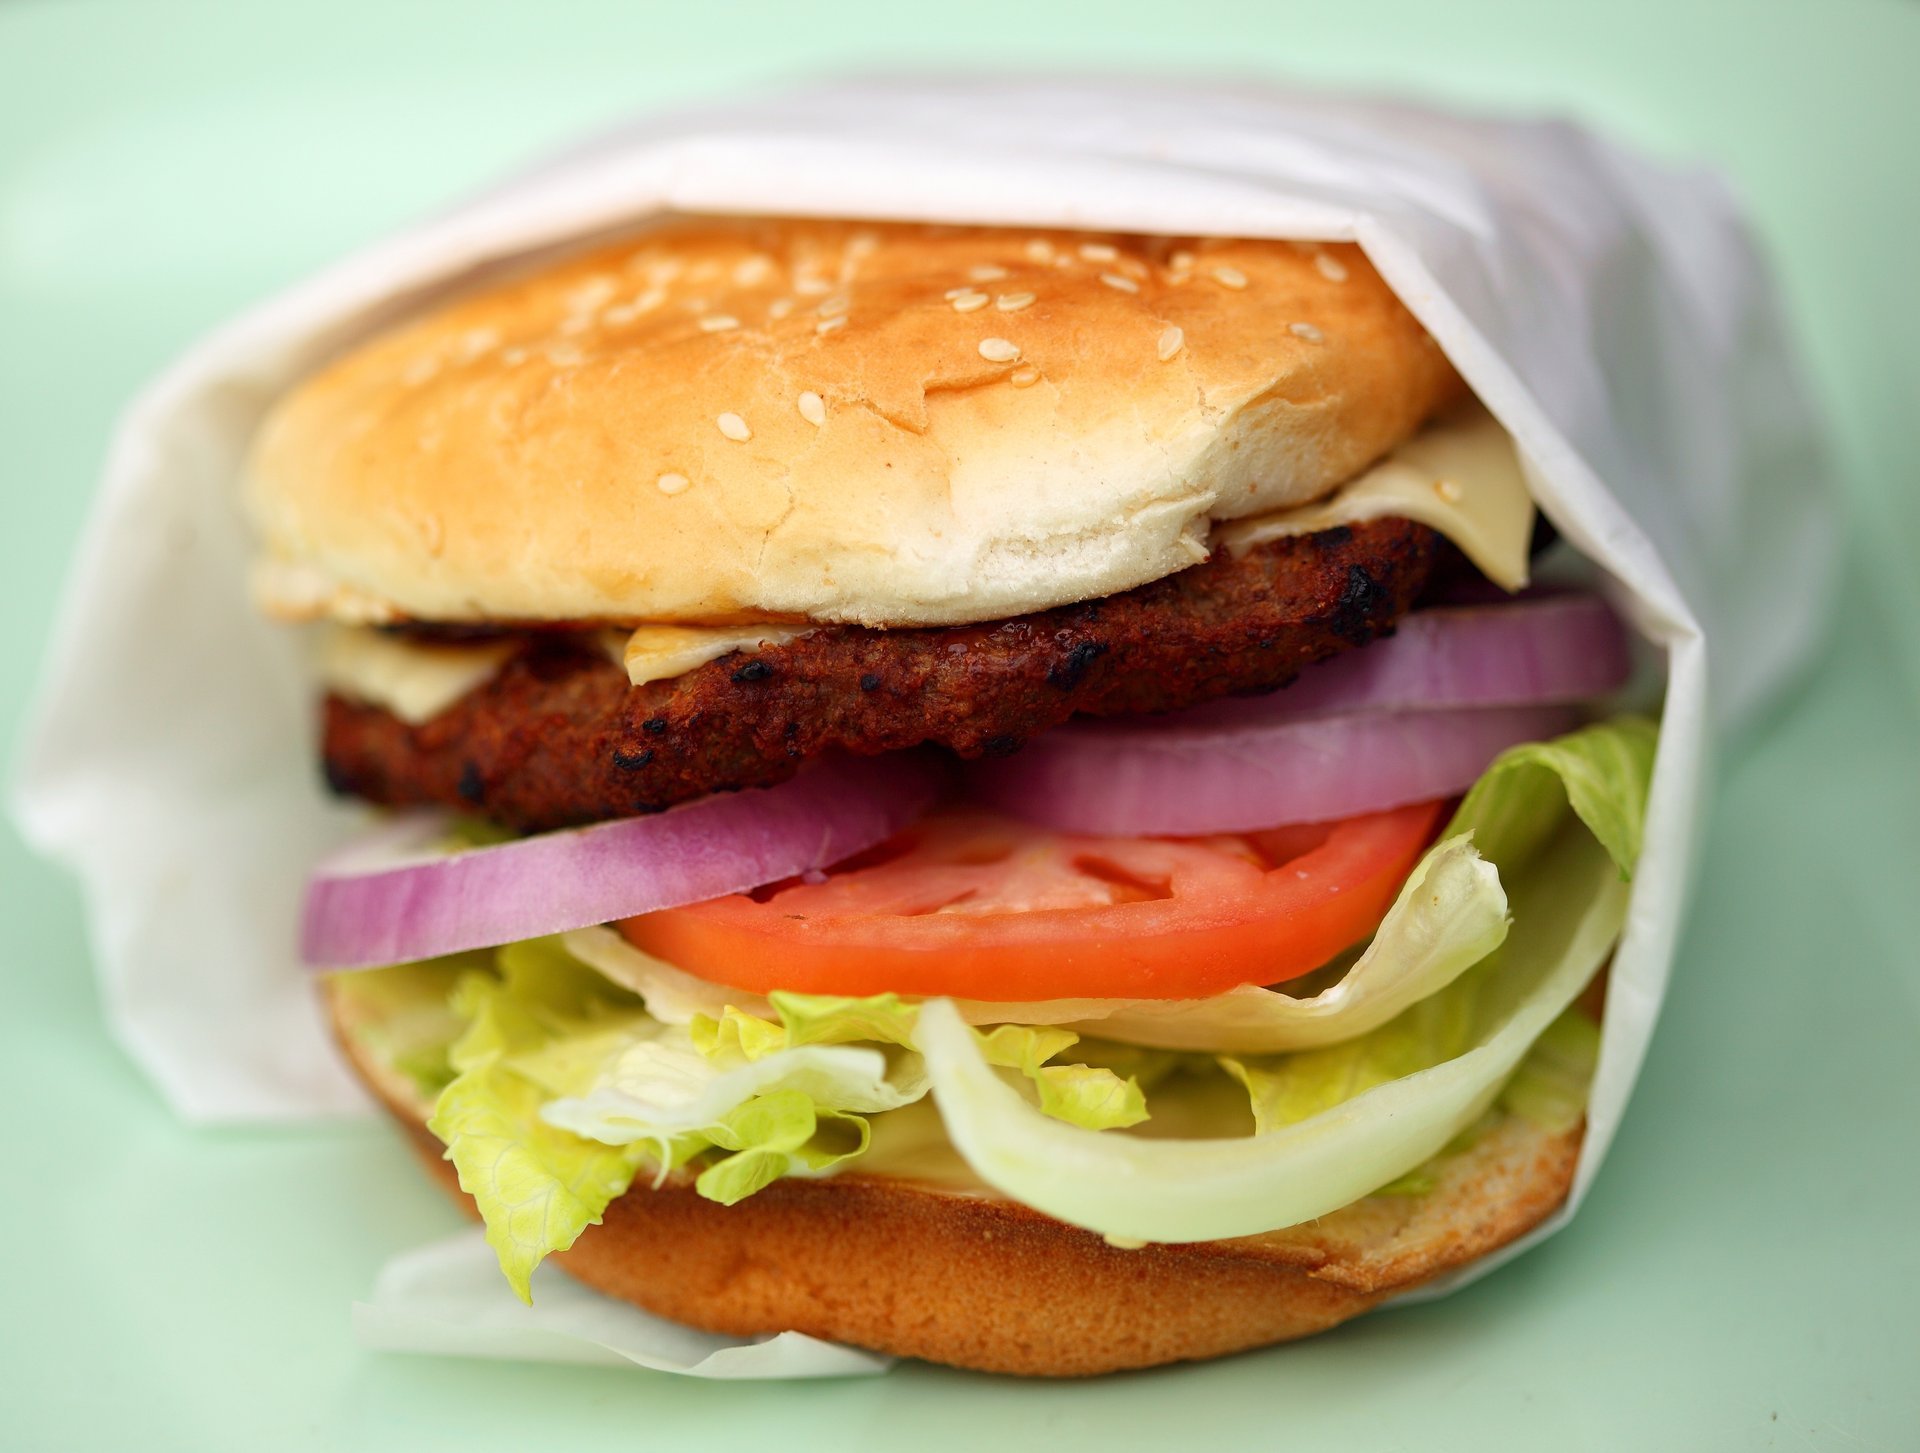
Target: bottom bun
{"type": "Point", "coordinates": [980, 1282]}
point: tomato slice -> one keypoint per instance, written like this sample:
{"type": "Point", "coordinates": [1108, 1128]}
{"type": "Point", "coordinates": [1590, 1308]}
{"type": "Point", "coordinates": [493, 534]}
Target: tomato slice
{"type": "Point", "coordinates": [975, 905]}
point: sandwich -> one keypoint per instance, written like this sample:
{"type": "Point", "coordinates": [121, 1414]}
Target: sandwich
{"type": "Point", "coordinates": [998, 795]}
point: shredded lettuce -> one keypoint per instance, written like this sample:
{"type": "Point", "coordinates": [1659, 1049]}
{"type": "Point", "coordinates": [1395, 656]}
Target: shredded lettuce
{"type": "Point", "coordinates": [565, 1067]}
{"type": "Point", "coordinates": [1602, 772]}
{"type": "Point", "coordinates": [404, 1018]}
{"type": "Point", "coordinates": [1550, 1087]}
{"type": "Point", "coordinates": [784, 1133]}
{"type": "Point", "coordinates": [559, 1088]}
{"type": "Point", "coordinates": [542, 1025]}
{"type": "Point", "coordinates": [1336, 1123]}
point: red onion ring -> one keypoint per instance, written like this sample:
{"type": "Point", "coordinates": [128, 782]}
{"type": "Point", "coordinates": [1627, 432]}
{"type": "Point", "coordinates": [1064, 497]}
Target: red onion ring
{"type": "Point", "coordinates": [1416, 716]}
{"type": "Point", "coordinates": [1190, 781]}
{"type": "Point", "coordinates": [380, 902]}
{"type": "Point", "coordinates": [1527, 652]}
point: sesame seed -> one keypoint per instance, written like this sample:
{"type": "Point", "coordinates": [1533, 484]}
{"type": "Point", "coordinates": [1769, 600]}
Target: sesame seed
{"type": "Point", "coordinates": [476, 341]}
{"type": "Point", "coordinates": [671, 483]}
{"type": "Point", "coordinates": [809, 286]}
{"type": "Point", "coordinates": [734, 427]}
{"type": "Point", "coordinates": [838, 303]}
{"type": "Point", "coordinates": [813, 408]}
{"type": "Point", "coordinates": [828, 325]}
{"type": "Point", "coordinates": [1181, 261]}
{"type": "Point", "coordinates": [779, 308]}
{"type": "Point", "coordinates": [575, 325]}
{"type": "Point", "coordinates": [1230, 277]}
{"type": "Point", "coordinates": [1115, 280]}
{"type": "Point", "coordinates": [718, 323]}
{"type": "Point", "coordinates": [986, 273]}
{"type": "Point", "coordinates": [590, 295]}
{"type": "Point", "coordinates": [970, 302]}
{"type": "Point", "coordinates": [1307, 331]}
{"type": "Point", "coordinates": [513, 357]}
{"type": "Point", "coordinates": [565, 355]}
{"type": "Point", "coordinates": [861, 243]}
{"type": "Point", "coordinates": [1330, 267]}
{"type": "Point", "coordinates": [951, 293]}
{"type": "Point", "coordinates": [1024, 377]}
{"type": "Point", "coordinates": [999, 350]}
{"type": "Point", "coordinates": [1447, 490]}
{"type": "Point", "coordinates": [1013, 302]}
{"type": "Point", "coordinates": [620, 315]}
{"type": "Point", "coordinates": [1098, 251]}
{"type": "Point", "coordinates": [420, 370]}
{"type": "Point", "coordinates": [1039, 249]}
{"type": "Point", "coordinates": [649, 300]}
{"type": "Point", "coordinates": [1172, 340]}
{"type": "Point", "coordinates": [752, 270]}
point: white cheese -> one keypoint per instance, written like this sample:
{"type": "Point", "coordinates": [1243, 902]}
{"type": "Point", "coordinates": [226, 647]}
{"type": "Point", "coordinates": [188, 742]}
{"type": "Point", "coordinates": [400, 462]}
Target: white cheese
{"type": "Point", "coordinates": [1459, 476]}
{"type": "Point", "coordinates": [414, 680]}
{"type": "Point", "coordinates": [660, 653]}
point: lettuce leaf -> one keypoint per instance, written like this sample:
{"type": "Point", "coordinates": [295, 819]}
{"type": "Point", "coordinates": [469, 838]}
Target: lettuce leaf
{"type": "Point", "coordinates": [678, 1080]}
{"type": "Point", "coordinates": [537, 1188]}
{"type": "Point", "coordinates": [1336, 1123]}
{"type": "Point", "coordinates": [1090, 1096]}
{"type": "Point", "coordinates": [1550, 1087]}
{"type": "Point", "coordinates": [1549, 1090]}
{"type": "Point", "coordinates": [558, 1084]}
{"type": "Point", "coordinates": [1567, 917]}
{"type": "Point", "coordinates": [784, 1133]}
{"type": "Point", "coordinates": [1449, 915]}
{"type": "Point", "coordinates": [1602, 772]}
{"type": "Point", "coordinates": [1296, 1087]}
{"type": "Point", "coordinates": [403, 1016]}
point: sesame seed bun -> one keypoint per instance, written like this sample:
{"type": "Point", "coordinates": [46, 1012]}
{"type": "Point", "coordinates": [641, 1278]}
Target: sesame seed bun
{"type": "Point", "coordinates": [920, 1270]}
{"type": "Point", "coordinates": [891, 425]}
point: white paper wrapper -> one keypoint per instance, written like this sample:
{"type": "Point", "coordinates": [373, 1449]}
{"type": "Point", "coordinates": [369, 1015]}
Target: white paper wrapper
{"type": "Point", "coordinates": [446, 1298]}
{"type": "Point", "coordinates": [1612, 314]}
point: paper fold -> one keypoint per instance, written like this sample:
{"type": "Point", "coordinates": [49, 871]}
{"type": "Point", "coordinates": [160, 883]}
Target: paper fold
{"type": "Point", "coordinates": [1612, 313]}
{"type": "Point", "coordinates": [446, 1298]}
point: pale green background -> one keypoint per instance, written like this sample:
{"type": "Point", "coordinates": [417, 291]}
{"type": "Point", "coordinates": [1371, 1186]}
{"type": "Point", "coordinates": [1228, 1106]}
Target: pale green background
{"type": "Point", "coordinates": [1746, 1271]}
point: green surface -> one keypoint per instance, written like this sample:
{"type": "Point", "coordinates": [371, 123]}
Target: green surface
{"type": "Point", "coordinates": [1744, 1275]}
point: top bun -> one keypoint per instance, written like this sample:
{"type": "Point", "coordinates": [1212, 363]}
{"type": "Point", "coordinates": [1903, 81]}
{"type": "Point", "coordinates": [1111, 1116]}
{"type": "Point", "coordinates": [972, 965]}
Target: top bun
{"type": "Point", "coordinates": [716, 421]}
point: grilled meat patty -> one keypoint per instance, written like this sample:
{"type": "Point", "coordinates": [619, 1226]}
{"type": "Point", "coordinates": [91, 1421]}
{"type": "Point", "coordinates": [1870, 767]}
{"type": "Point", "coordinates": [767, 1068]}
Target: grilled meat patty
{"type": "Point", "coordinates": [560, 736]}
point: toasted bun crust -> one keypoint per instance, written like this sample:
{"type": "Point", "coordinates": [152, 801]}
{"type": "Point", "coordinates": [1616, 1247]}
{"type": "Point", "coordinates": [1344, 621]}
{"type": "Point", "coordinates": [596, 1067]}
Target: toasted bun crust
{"type": "Point", "coordinates": [920, 1271]}
{"type": "Point", "coordinates": [892, 425]}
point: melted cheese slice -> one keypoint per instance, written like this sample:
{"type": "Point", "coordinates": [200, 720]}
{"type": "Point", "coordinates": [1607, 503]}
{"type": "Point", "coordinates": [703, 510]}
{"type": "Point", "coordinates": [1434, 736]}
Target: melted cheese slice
{"type": "Point", "coordinates": [1460, 476]}
{"type": "Point", "coordinates": [413, 680]}
{"type": "Point", "coordinates": [660, 653]}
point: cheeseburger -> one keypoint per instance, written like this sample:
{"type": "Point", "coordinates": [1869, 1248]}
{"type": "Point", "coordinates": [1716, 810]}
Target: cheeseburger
{"type": "Point", "coordinates": [996, 795]}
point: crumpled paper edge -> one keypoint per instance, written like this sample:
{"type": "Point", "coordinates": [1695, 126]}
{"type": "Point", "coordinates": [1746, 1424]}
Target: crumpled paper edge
{"type": "Point", "coordinates": [448, 1299]}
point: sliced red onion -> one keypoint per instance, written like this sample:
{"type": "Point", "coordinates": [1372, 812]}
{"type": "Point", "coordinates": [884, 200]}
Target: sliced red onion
{"type": "Point", "coordinates": [1181, 781]}
{"type": "Point", "coordinates": [1527, 652]}
{"type": "Point", "coordinates": [388, 898]}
